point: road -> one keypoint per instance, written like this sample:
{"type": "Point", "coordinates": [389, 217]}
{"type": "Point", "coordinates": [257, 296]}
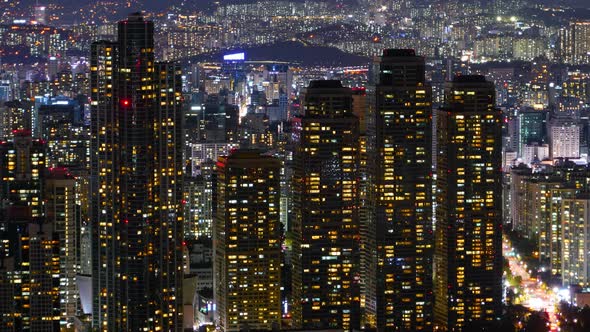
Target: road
{"type": "Point", "coordinates": [538, 297]}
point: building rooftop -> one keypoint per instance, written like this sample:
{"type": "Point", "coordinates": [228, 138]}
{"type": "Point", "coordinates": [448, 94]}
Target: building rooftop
{"type": "Point", "coordinates": [325, 84]}
{"type": "Point", "coordinates": [469, 79]}
{"type": "Point", "coordinates": [135, 17]}
{"type": "Point", "coordinates": [390, 52]}
{"type": "Point", "coordinates": [247, 158]}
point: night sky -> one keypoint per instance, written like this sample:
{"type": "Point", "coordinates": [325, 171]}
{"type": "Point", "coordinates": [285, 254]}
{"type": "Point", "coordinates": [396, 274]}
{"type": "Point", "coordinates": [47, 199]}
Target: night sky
{"type": "Point", "coordinates": [163, 4]}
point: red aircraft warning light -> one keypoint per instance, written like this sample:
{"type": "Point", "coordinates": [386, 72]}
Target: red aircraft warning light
{"type": "Point", "coordinates": [125, 102]}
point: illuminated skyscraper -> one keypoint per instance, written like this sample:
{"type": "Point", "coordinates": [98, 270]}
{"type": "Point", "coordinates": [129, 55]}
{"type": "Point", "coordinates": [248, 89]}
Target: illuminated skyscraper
{"type": "Point", "coordinates": [16, 116]}
{"type": "Point", "coordinates": [565, 141]}
{"type": "Point", "coordinates": [62, 214]}
{"type": "Point", "coordinates": [398, 281]}
{"type": "Point", "coordinates": [531, 128]}
{"type": "Point", "coordinates": [247, 242]}
{"type": "Point", "coordinates": [62, 126]}
{"type": "Point", "coordinates": [198, 192]}
{"type": "Point", "coordinates": [136, 183]}
{"type": "Point", "coordinates": [326, 208]}
{"type": "Point", "coordinates": [575, 220]}
{"type": "Point", "coordinates": [22, 165]}
{"type": "Point", "coordinates": [22, 161]}
{"type": "Point", "coordinates": [468, 240]}
{"type": "Point", "coordinates": [38, 225]}
{"type": "Point", "coordinates": [574, 42]}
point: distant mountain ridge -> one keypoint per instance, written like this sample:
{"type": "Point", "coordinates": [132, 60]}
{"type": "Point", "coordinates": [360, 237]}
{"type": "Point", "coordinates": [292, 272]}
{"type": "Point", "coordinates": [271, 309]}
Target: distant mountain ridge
{"type": "Point", "coordinates": [294, 52]}
{"type": "Point", "coordinates": [151, 5]}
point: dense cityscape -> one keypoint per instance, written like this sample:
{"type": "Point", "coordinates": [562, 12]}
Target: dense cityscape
{"type": "Point", "coordinates": [295, 165]}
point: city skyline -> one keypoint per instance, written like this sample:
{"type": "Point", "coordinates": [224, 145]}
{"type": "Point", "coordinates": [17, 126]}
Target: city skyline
{"type": "Point", "coordinates": [294, 165]}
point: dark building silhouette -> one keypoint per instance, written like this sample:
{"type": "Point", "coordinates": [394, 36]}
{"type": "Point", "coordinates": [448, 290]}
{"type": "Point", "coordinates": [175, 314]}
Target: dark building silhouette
{"type": "Point", "coordinates": [62, 126]}
{"type": "Point", "coordinates": [136, 183]}
{"type": "Point", "coordinates": [397, 281]}
{"type": "Point", "coordinates": [326, 176]}
{"type": "Point", "coordinates": [468, 245]}
{"type": "Point", "coordinates": [218, 121]}
{"type": "Point", "coordinates": [29, 292]}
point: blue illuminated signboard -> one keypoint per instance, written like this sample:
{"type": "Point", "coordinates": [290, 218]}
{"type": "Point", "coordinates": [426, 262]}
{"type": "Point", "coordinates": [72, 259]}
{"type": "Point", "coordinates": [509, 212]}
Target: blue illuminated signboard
{"type": "Point", "coordinates": [235, 57]}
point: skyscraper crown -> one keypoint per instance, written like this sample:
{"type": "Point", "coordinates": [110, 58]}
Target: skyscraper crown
{"type": "Point", "coordinates": [325, 84]}
{"type": "Point", "coordinates": [393, 52]}
{"type": "Point", "coordinates": [135, 17]}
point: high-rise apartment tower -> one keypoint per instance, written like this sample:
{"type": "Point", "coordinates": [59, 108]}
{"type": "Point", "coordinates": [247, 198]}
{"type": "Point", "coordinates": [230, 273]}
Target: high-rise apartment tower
{"type": "Point", "coordinates": [136, 183]}
{"type": "Point", "coordinates": [247, 242]}
{"type": "Point", "coordinates": [398, 280]}
{"type": "Point", "coordinates": [326, 208]}
{"type": "Point", "coordinates": [468, 240]}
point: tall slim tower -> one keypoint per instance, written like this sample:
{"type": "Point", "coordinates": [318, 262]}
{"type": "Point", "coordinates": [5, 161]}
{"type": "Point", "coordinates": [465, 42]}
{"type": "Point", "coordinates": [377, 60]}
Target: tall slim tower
{"type": "Point", "coordinates": [326, 208]}
{"type": "Point", "coordinates": [166, 226]}
{"type": "Point", "coordinates": [104, 182]}
{"type": "Point", "coordinates": [398, 281]}
{"type": "Point", "coordinates": [575, 220]}
{"type": "Point", "coordinates": [136, 183]}
{"type": "Point", "coordinates": [247, 242]}
{"type": "Point", "coordinates": [468, 251]}
{"type": "Point", "coordinates": [62, 213]}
